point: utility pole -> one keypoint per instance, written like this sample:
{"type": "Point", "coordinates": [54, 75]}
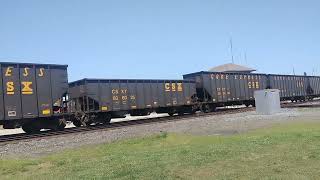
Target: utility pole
{"type": "Point", "coordinates": [245, 57]}
{"type": "Point", "coordinates": [294, 73]}
{"type": "Point", "coordinates": [231, 50]}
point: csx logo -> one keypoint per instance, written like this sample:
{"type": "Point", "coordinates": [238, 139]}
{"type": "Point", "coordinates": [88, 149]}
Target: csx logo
{"type": "Point", "coordinates": [173, 87]}
{"type": "Point", "coordinates": [253, 85]}
{"type": "Point", "coordinates": [26, 87]}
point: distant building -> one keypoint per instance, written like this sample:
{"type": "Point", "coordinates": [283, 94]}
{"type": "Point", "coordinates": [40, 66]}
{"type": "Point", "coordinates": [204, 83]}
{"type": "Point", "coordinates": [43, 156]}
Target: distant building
{"type": "Point", "coordinates": [232, 68]}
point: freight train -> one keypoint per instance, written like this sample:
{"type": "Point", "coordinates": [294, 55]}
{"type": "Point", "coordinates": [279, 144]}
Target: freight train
{"type": "Point", "coordinates": [38, 96]}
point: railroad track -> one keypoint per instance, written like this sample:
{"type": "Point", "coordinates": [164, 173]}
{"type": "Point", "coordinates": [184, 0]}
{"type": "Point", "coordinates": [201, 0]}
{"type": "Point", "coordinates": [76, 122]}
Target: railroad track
{"type": "Point", "coordinates": [306, 104]}
{"type": "Point", "coordinates": [13, 138]}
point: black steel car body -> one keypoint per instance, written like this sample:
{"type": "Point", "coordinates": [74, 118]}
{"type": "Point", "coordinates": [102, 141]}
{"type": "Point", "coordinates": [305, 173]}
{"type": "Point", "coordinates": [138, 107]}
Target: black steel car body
{"type": "Point", "coordinates": [294, 87]}
{"type": "Point", "coordinates": [30, 92]}
{"type": "Point", "coordinates": [112, 98]}
{"type": "Point", "coordinates": [221, 89]}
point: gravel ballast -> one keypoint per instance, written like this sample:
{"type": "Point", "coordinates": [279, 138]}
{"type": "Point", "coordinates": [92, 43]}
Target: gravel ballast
{"type": "Point", "coordinates": [227, 124]}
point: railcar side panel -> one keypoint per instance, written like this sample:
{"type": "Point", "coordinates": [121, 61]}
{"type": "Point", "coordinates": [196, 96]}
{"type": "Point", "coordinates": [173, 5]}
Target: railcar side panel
{"type": "Point", "coordinates": [317, 86]}
{"type": "Point", "coordinates": [250, 86]}
{"type": "Point", "coordinates": [126, 95]}
{"type": "Point", "coordinates": [115, 90]}
{"type": "Point", "coordinates": [242, 88]}
{"type": "Point", "coordinates": [124, 91]}
{"type": "Point", "coordinates": [227, 87]}
{"type": "Point", "coordinates": [44, 91]}
{"type": "Point", "coordinates": [215, 87]}
{"type": "Point", "coordinates": [59, 83]}
{"type": "Point", "coordinates": [229, 83]}
{"type": "Point", "coordinates": [155, 95]}
{"type": "Point", "coordinates": [187, 89]}
{"type": "Point", "coordinates": [175, 94]}
{"type": "Point", "coordinates": [246, 87]}
{"type": "Point", "coordinates": [233, 89]}
{"type": "Point", "coordinates": [105, 97]}
{"type": "Point", "coordinates": [238, 90]}
{"type": "Point", "coordinates": [162, 93]}
{"type": "Point", "coordinates": [12, 96]}
{"type": "Point", "coordinates": [132, 90]}
{"type": "Point", "coordinates": [179, 92]}
{"type": "Point", "coordinates": [28, 91]}
{"type": "Point", "coordinates": [219, 85]}
{"type": "Point", "coordinates": [294, 86]}
{"type": "Point", "coordinates": [168, 93]}
{"type": "Point", "coordinates": [1, 96]}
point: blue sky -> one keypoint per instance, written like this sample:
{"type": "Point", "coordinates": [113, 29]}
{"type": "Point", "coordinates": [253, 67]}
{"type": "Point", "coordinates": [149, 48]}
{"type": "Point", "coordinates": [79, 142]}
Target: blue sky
{"type": "Point", "coordinates": [161, 39]}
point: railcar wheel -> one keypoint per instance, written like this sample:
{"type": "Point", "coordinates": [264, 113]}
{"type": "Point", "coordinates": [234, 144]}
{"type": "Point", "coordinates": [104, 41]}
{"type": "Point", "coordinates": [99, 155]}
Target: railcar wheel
{"type": "Point", "coordinates": [206, 108]}
{"type": "Point", "coordinates": [77, 123]}
{"type": "Point", "coordinates": [30, 129]}
{"type": "Point", "coordinates": [106, 119]}
{"type": "Point", "coordinates": [61, 125]}
{"type": "Point", "coordinates": [172, 112]}
{"type": "Point", "coordinates": [213, 108]}
{"type": "Point", "coordinates": [193, 110]}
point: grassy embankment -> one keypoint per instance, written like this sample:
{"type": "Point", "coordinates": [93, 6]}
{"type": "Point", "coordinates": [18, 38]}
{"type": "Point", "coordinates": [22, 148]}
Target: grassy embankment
{"type": "Point", "coordinates": [283, 152]}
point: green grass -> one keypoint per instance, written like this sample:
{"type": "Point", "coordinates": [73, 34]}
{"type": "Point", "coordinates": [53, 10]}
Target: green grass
{"type": "Point", "coordinates": [290, 151]}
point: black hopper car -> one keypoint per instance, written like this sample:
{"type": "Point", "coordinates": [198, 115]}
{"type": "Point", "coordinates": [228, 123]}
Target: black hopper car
{"type": "Point", "coordinates": [33, 96]}
{"type": "Point", "coordinates": [225, 89]}
{"type": "Point", "coordinates": [295, 88]}
{"type": "Point", "coordinates": [38, 96]}
{"type": "Point", "coordinates": [216, 89]}
{"type": "Point", "coordinates": [99, 100]}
